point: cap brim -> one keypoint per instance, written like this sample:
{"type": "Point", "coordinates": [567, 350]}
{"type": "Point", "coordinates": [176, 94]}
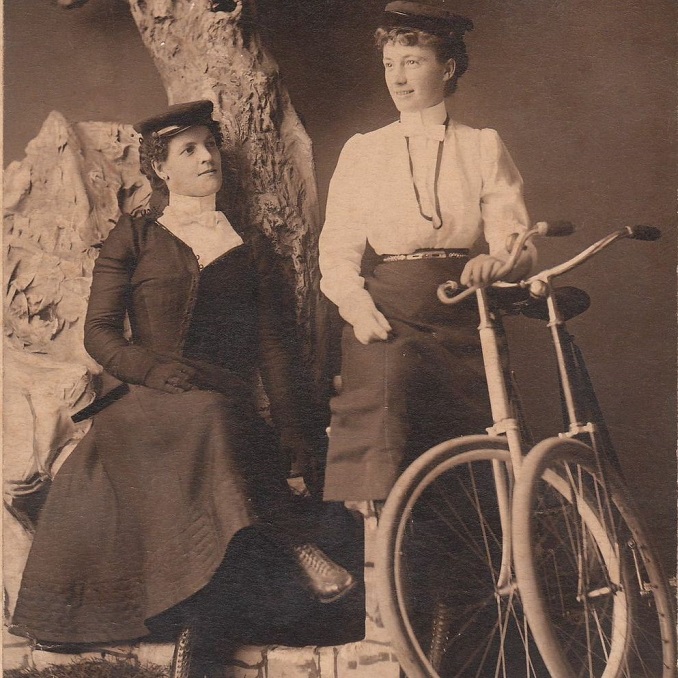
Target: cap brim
{"type": "Point", "coordinates": [173, 130]}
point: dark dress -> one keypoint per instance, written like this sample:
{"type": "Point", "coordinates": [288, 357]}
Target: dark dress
{"type": "Point", "coordinates": [140, 515]}
{"type": "Point", "coordinates": [400, 397]}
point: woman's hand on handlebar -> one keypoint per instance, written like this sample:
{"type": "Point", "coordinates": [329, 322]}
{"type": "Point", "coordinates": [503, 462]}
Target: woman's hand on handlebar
{"type": "Point", "coordinates": [481, 271]}
{"type": "Point", "coordinates": [485, 269]}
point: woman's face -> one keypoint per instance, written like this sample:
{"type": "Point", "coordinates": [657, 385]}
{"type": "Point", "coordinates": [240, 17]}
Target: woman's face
{"type": "Point", "coordinates": [193, 164]}
{"type": "Point", "coordinates": [414, 76]}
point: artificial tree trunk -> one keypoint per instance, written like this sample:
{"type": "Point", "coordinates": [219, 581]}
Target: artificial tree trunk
{"type": "Point", "coordinates": [211, 50]}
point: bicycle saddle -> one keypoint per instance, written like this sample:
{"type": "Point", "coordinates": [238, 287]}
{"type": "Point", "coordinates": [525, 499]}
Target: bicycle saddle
{"type": "Point", "coordinates": [572, 302]}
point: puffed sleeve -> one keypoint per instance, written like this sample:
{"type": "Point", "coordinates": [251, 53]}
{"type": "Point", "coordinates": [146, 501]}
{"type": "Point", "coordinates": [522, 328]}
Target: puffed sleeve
{"type": "Point", "coordinates": [344, 235]}
{"type": "Point", "coordinates": [502, 205]}
{"type": "Point", "coordinates": [108, 303]}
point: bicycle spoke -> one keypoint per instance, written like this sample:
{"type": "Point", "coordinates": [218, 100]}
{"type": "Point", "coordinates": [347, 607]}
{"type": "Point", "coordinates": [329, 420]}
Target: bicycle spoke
{"type": "Point", "coordinates": [461, 522]}
{"type": "Point", "coordinates": [425, 538]}
{"type": "Point", "coordinates": [590, 614]}
{"type": "Point", "coordinates": [448, 545]}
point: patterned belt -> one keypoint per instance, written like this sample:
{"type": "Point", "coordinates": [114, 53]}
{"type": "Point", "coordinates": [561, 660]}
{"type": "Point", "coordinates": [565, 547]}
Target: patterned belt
{"type": "Point", "coordinates": [460, 253]}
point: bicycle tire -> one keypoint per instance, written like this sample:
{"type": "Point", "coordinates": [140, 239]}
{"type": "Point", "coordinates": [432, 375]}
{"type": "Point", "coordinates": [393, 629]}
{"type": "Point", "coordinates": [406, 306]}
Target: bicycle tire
{"type": "Point", "coordinates": [424, 545]}
{"type": "Point", "coordinates": [611, 616]}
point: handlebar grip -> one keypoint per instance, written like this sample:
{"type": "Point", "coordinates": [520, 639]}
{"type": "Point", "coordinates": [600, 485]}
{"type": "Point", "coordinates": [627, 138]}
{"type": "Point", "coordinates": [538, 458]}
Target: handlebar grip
{"type": "Point", "coordinates": [643, 232]}
{"type": "Point", "coordinates": [555, 229]}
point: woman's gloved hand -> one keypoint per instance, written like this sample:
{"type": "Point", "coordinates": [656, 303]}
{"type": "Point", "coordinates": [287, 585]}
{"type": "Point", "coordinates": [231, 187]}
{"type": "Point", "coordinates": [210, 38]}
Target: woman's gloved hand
{"type": "Point", "coordinates": [484, 269]}
{"type": "Point", "coordinates": [171, 377]}
{"type": "Point", "coordinates": [369, 323]}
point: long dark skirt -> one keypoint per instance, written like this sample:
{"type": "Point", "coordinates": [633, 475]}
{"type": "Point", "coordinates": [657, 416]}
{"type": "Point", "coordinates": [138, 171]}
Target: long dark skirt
{"type": "Point", "coordinates": [402, 396]}
{"type": "Point", "coordinates": [139, 516]}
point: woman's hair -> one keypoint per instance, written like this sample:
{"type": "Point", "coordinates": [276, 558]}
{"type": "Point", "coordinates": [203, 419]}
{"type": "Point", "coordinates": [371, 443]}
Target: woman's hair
{"type": "Point", "coordinates": [447, 45]}
{"type": "Point", "coordinates": [154, 148]}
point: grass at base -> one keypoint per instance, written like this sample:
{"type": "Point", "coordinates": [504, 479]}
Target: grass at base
{"type": "Point", "coordinates": [91, 668]}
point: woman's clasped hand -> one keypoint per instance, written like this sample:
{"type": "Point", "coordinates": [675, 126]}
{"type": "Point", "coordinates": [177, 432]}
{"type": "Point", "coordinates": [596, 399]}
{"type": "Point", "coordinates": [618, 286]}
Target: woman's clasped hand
{"type": "Point", "coordinates": [171, 377]}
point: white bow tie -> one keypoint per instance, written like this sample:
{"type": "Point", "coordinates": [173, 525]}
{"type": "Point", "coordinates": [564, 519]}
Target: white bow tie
{"type": "Point", "coordinates": [435, 132]}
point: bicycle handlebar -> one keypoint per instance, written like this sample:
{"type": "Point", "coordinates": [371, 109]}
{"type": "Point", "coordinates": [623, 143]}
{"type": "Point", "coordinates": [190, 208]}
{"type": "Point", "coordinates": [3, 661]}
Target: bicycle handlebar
{"type": "Point", "coordinates": [643, 232]}
{"type": "Point", "coordinates": [448, 292]}
{"type": "Point", "coordinates": [555, 229]}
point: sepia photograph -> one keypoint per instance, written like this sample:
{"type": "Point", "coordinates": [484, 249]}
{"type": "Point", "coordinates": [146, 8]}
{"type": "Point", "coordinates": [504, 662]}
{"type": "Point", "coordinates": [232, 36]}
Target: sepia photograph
{"type": "Point", "coordinates": [339, 339]}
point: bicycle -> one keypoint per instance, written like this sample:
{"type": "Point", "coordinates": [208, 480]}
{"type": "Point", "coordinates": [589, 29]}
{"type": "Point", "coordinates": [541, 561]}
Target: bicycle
{"type": "Point", "coordinates": [493, 562]}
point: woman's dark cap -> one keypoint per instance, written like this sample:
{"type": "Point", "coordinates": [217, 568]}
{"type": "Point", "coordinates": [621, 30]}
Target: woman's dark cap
{"type": "Point", "coordinates": [429, 17]}
{"type": "Point", "coordinates": [177, 119]}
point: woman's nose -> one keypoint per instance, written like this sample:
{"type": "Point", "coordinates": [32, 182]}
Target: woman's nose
{"type": "Point", "coordinates": [398, 75]}
{"type": "Point", "coordinates": [204, 155]}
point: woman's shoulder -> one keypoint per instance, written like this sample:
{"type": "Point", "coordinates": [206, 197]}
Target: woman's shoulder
{"type": "Point", "coordinates": [137, 220]}
{"type": "Point", "coordinates": [361, 141]}
{"type": "Point", "coordinates": [476, 133]}
{"type": "Point", "coordinates": [129, 231]}
{"type": "Point", "coordinates": [483, 143]}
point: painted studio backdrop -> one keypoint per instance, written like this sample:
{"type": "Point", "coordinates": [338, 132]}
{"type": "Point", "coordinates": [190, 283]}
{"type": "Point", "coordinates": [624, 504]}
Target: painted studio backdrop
{"type": "Point", "coordinates": [582, 95]}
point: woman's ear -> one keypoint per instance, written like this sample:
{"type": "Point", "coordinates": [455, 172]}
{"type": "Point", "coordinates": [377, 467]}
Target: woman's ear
{"type": "Point", "coordinates": [450, 68]}
{"type": "Point", "coordinates": [158, 169]}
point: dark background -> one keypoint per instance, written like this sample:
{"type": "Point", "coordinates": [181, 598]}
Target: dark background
{"type": "Point", "coordinates": [583, 95]}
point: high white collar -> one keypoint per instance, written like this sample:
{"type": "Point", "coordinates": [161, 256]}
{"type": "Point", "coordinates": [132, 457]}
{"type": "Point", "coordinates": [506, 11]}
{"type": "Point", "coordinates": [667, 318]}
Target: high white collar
{"type": "Point", "coordinates": [192, 205]}
{"type": "Point", "coordinates": [434, 115]}
{"type": "Point", "coordinates": [195, 221]}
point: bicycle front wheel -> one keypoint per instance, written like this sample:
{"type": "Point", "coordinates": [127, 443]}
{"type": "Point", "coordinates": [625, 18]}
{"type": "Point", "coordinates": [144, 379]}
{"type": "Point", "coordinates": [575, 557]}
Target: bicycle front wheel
{"type": "Point", "coordinates": [591, 585]}
{"type": "Point", "coordinates": [445, 592]}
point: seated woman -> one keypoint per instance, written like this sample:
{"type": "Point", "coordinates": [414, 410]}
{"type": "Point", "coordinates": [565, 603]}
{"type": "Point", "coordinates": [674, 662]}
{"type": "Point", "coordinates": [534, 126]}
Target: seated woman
{"type": "Point", "coordinates": [421, 192]}
{"type": "Point", "coordinates": [139, 517]}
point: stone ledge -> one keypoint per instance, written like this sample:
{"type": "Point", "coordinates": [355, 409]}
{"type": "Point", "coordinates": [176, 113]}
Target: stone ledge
{"type": "Point", "coordinates": [371, 657]}
{"type": "Point", "coordinates": [17, 653]}
{"type": "Point", "coordinates": [363, 659]}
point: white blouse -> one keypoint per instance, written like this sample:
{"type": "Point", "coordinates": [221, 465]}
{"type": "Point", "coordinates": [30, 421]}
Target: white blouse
{"type": "Point", "coordinates": [195, 221]}
{"type": "Point", "coordinates": [372, 199]}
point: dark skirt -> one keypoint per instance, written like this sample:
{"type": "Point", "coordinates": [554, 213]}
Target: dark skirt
{"type": "Point", "coordinates": [139, 516]}
{"type": "Point", "coordinates": [400, 397]}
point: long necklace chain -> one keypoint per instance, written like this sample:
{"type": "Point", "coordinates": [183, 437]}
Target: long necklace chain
{"type": "Point", "coordinates": [438, 222]}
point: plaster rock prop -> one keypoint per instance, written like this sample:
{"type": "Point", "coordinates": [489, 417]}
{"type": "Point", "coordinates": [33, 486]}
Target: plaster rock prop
{"type": "Point", "coordinates": [60, 202]}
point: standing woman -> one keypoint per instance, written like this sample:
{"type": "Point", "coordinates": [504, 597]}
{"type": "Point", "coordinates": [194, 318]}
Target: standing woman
{"type": "Point", "coordinates": [422, 192]}
{"type": "Point", "coordinates": [139, 517]}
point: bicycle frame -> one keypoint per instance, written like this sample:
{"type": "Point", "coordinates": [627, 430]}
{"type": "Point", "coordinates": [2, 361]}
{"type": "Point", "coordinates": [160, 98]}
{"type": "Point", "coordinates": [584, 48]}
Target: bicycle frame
{"type": "Point", "coordinates": [504, 423]}
{"type": "Point", "coordinates": [549, 583]}
{"type": "Point", "coordinates": [573, 377]}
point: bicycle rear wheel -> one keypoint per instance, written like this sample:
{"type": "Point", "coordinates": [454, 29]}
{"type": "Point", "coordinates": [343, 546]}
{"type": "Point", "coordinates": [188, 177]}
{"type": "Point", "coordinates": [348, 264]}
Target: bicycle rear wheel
{"type": "Point", "coordinates": [441, 597]}
{"type": "Point", "coordinates": [591, 585]}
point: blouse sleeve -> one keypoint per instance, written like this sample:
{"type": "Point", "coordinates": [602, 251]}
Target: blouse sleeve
{"type": "Point", "coordinates": [344, 235]}
{"type": "Point", "coordinates": [502, 205]}
{"type": "Point", "coordinates": [108, 302]}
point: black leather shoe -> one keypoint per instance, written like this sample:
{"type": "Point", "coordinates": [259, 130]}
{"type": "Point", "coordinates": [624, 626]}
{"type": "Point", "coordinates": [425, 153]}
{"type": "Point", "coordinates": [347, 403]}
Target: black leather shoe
{"type": "Point", "coordinates": [326, 580]}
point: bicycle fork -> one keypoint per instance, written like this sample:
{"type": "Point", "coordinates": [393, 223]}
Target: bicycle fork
{"type": "Point", "coordinates": [505, 424]}
{"type": "Point", "coordinates": [579, 401]}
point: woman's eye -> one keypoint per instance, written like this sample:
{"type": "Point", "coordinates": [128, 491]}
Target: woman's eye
{"type": "Point", "coordinates": [412, 62]}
